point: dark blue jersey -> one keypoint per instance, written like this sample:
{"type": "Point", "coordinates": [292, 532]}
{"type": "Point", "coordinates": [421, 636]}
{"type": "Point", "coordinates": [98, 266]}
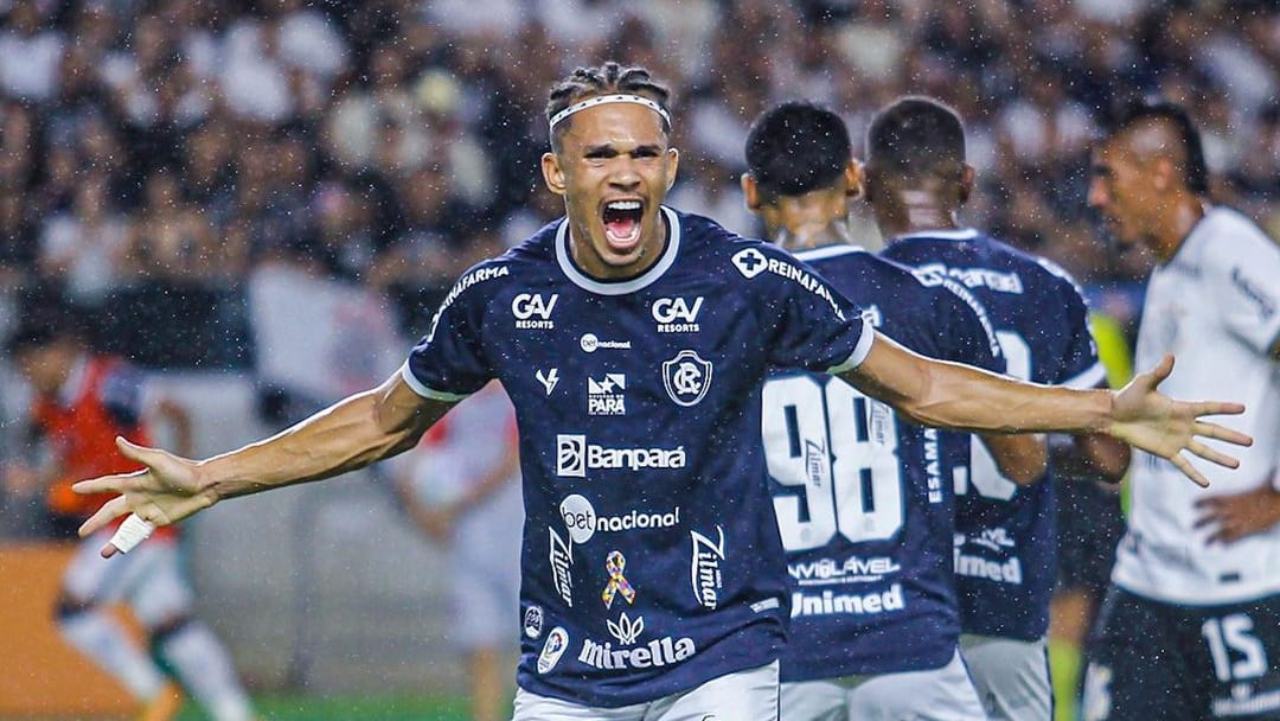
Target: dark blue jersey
{"type": "Point", "coordinates": [1005, 555]}
{"type": "Point", "coordinates": [863, 498]}
{"type": "Point", "coordinates": [651, 560]}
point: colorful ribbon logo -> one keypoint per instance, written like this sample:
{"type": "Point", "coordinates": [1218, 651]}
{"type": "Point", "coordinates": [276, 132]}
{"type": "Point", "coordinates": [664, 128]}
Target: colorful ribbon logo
{"type": "Point", "coordinates": [615, 563]}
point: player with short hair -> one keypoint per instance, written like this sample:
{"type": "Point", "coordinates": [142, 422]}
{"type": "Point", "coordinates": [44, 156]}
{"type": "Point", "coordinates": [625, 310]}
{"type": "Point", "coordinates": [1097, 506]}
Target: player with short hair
{"type": "Point", "coordinates": [864, 505]}
{"type": "Point", "coordinates": [1189, 628]}
{"type": "Point", "coordinates": [634, 341]}
{"type": "Point", "coordinates": [82, 403]}
{"type": "Point", "coordinates": [1005, 552]}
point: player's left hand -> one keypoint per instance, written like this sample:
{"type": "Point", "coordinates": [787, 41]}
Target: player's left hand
{"type": "Point", "coordinates": [1146, 419]}
{"type": "Point", "coordinates": [1239, 514]}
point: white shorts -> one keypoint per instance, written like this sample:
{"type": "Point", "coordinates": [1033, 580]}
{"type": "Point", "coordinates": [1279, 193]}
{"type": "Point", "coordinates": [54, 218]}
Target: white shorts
{"type": "Point", "coordinates": [149, 579]}
{"type": "Point", "coordinates": [1012, 677]}
{"type": "Point", "coordinates": [940, 694]}
{"type": "Point", "coordinates": [750, 695]}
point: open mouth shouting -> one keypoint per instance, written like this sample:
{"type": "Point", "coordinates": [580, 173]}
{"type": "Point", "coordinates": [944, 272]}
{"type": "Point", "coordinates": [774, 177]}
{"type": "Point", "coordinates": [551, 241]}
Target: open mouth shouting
{"type": "Point", "coordinates": [621, 220]}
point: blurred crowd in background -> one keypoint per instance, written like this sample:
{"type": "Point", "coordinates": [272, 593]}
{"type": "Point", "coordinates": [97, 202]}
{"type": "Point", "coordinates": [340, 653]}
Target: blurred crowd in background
{"type": "Point", "coordinates": [153, 153]}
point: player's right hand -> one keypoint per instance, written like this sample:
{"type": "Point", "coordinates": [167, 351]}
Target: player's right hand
{"type": "Point", "coordinates": [165, 492]}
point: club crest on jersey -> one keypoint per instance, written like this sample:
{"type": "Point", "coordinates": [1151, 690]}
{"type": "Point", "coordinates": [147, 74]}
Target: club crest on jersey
{"type": "Point", "coordinates": [553, 649]}
{"type": "Point", "coordinates": [532, 311]}
{"type": "Point", "coordinates": [750, 262]}
{"type": "Point", "coordinates": [687, 378]}
{"type": "Point", "coordinates": [533, 621]}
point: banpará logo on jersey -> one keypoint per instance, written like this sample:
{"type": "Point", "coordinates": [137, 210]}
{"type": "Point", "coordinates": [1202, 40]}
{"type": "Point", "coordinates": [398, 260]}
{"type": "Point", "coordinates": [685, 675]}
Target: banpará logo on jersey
{"type": "Point", "coordinates": [581, 520]}
{"type": "Point", "coordinates": [615, 564]}
{"type": "Point", "coordinates": [533, 311]}
{"type": "Point", "coordinates": [704, 568]}
{"type": "Point", "coordinates": [561, 558]}
{"type": "Point", "coordinates": [830, 603]}
{"type": "Point", "coordinates": [590, 343]}
{"type": "Point", "coordinates": [533, 621]}
{"type": "Point", "coordinates": [553, 649]}
{"type": "Point", "coordinates": [750, 262]}
{"type": "Point", "coordinates": [854, 569]}
{"type": "Point", "coordinates": [687, 377]}
{"type": "Point", "coordinates": [575, 456]}
{"type": "Point", "coordinates": [626, 630]}
{"type": "Point", "coordinates": [665, 651]}
{"type": "Point", "coordinates": [607, 397]}
{"type": "Point", "coordinates": [676, 315]}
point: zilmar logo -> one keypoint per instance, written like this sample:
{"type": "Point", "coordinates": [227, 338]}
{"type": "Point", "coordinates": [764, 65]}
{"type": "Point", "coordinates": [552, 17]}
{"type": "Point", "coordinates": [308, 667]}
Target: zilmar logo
{"type": "Point", "coordinates": [574, 457]}
{"type": "Point", "coordinates": [561, 558]}
{"type": "Point", "coordinates": [704, 568]}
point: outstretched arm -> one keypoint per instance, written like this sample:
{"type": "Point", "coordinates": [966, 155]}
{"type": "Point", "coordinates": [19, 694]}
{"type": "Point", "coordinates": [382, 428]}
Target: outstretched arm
{"type": "Point", "coordinates": [355, 432]}
{"type": "Point", "coordinates": [949, 395]}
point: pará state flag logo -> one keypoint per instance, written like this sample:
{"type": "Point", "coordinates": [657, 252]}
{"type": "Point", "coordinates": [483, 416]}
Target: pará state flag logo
{"type": "Point", "coordinates": [687, 378]}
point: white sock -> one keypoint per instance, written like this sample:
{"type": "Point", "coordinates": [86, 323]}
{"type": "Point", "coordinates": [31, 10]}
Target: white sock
{"type": "Point", "coordinates": [99, 636]}
{"type": "Point", "coordinates": [205, 669]}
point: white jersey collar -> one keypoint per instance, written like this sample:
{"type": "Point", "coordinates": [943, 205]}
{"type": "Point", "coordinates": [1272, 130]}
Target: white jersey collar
{"type": "Point", "coordinates": [960, 234]}
{"type": "Point", "coordinates": [619, 287]}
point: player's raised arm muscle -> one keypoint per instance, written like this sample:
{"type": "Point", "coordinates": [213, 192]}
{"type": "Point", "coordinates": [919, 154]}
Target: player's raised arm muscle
{"type": "Point", "coordinates": [949, 395]}
{"type": "Point", "coordinates": [351, 434]}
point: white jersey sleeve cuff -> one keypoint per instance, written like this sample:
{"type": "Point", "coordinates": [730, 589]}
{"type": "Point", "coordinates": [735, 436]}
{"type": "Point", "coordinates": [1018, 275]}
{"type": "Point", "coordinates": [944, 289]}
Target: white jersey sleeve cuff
{"type": "Point", "coordinates": [860, 351]}
{"type": "Point", "coordinates": [1091, 378]}
{"type": "Point", "coordinates": [423, 390]}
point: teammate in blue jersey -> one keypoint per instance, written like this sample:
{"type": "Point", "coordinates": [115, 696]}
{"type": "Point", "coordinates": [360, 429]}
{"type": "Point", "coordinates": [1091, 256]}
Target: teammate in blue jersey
{"type": "Point", "coordinates": [1005, 561]}
{"type": "Point", "coordinates": [634, 342]}
{"type": "Point", "coordinates": [864, 505]}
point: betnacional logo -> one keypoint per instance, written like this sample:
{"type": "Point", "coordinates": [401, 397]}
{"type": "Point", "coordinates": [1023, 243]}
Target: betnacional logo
{"type": "Point", "coordinates": [582, 522]}
{"type": "Point", "coordinates": [591, 343]}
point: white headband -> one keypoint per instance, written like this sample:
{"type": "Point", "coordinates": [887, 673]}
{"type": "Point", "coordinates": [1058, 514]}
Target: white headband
{"type": "Point", "coordinates": [606, 99]}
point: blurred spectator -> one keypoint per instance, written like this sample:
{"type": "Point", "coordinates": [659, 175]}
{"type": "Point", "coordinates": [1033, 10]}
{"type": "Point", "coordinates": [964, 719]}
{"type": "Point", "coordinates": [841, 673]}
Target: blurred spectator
{"type": "Point", "coordinates": [379, 142]}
